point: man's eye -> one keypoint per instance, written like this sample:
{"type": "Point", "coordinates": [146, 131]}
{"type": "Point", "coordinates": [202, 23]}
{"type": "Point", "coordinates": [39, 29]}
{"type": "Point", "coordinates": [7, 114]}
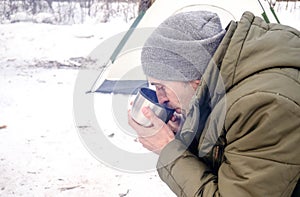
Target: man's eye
{"type": "Point", "coordinates": [160, 87]}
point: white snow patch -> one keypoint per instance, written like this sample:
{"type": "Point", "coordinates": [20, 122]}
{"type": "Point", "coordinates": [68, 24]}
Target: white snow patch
{"type": "Point", "coordinates": [41, 153]}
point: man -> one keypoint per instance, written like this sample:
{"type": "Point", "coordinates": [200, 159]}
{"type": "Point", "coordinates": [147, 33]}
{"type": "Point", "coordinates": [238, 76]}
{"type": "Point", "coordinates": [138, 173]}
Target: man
{"type": "Point", "coordinates": [238, 91]}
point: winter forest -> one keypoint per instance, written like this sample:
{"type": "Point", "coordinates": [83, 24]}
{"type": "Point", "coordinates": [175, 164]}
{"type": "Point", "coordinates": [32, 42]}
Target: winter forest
{"type": "Point", "coordinates": [66, 11]}
{"type": "Point", "coordinates": [79, 11]}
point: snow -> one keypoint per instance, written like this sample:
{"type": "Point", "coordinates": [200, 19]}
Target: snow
{"type": "Point", "coordinates": [30, 41]}
{"type": "Point", "coordinates": [41, 152]}
{"type": "Point", "coordinates": [288, 13]}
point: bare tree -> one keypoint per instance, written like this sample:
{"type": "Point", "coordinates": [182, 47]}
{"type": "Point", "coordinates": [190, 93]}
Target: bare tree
{"type": "Point", "coordinates": [69, 10]}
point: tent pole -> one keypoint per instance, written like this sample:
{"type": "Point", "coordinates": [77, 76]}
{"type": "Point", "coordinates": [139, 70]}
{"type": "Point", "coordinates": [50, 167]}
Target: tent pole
{"type": "Point", "coordinates": [264, 15]}
{"type": "Point", "coordinates": [126, 37]}
{"type": "Point", "coordinates": [273, 12]}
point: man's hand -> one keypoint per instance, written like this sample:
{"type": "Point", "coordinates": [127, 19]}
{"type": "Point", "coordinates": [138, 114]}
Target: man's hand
{"type": "Point", "coordinates": [176, 122]}
{"type": "Point", "coordinates": [156, 137]}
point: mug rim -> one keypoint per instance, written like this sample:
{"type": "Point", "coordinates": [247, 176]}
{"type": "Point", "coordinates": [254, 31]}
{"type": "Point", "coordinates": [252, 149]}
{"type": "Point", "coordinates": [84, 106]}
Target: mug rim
{"type": "Point", "coordinates": [146, 97]}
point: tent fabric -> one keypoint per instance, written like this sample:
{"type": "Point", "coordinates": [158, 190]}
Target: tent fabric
{"type": "Point", "coordinates": [160, 10]}
{"type": "Point", "coordinates": [121, 86]}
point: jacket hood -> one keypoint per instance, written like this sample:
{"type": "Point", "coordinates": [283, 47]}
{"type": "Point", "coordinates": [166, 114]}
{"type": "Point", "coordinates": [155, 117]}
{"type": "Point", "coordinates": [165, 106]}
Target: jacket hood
{"type": "Point", "coordinates": [252, 45]}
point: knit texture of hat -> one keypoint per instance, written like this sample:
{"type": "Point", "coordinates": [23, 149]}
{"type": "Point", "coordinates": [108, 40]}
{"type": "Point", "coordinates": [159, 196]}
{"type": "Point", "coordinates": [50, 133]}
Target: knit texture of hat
{"type": "Point", "coordinates": [180, 48]}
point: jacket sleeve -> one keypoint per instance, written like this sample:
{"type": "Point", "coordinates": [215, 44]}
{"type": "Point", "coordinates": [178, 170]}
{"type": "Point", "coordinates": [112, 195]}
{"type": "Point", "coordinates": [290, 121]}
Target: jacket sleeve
{"type": "Point", "coordinates": [261, 157]}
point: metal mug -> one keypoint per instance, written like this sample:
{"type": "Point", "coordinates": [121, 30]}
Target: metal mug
{"type": "Point", "coordinates": [147, 98]}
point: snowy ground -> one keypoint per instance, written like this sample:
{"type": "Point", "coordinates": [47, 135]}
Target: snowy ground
{"type": "Point", "coordinates": [41, 153]}
{"type": "Point", "coordinates": [40, 150]}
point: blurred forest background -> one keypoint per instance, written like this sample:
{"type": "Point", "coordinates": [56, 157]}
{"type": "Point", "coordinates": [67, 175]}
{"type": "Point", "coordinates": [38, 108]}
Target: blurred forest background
{"type": "Point", "coordinates": [67, 11]}
{"type": "Point", "coordinates": [95, 11]}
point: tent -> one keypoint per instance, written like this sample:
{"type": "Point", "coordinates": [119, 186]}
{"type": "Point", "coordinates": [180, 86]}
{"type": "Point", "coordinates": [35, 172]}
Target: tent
{"type": "Point", "coordinates": [122, 73]}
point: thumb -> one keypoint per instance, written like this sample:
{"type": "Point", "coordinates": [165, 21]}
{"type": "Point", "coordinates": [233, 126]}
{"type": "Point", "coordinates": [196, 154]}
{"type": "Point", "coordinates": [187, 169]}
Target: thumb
{"type": "Point", "coordinates": [149, 114]}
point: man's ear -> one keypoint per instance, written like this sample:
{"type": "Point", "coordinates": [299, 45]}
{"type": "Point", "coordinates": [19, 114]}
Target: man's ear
{"type": "Point", "coordinates": [195, 83]}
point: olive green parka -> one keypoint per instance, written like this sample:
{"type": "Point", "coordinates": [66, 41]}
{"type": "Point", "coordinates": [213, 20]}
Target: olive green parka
{"type": "Point", "coordinates": [242, 133]}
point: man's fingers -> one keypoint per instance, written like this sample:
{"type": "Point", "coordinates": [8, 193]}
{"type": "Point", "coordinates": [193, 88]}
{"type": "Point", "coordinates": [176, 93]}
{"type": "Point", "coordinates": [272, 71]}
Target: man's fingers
{"type": "Point", "coordinates": [133, 123]}
{"type": "Point", "coordinates": [145, 143]}
{"type": "Point", "coordinates": [157, 124]}
{"type": "Point", "coordinates": [148, 145]}
{"type": "Point", "coordinates": [149, 114]}
{"type": "Point", "coordinates": [173, 126]}
{"type": "Point", "coordinates": [174, 118]}
{"type": "Point", "coordinates": [129, 117]}
{"type": "Point", "coordinates": [140, 130]}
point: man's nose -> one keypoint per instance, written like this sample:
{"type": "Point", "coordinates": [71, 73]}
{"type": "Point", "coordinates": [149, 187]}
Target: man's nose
{"type": "Point", "coordinates": [162, 98]}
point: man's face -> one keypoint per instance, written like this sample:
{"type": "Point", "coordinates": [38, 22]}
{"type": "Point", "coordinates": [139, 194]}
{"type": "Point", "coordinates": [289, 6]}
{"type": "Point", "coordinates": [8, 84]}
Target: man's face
{"type": "Point", "coordinates": [175, 94]}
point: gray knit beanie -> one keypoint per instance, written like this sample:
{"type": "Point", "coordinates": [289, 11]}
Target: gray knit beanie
{"type": "Point", "coordinates": [181, 47]}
